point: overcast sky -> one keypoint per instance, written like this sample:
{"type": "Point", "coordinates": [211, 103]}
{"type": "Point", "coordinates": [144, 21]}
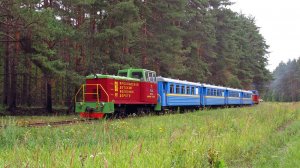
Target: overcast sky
{"type": "Point", "coordinates": [279, 23]}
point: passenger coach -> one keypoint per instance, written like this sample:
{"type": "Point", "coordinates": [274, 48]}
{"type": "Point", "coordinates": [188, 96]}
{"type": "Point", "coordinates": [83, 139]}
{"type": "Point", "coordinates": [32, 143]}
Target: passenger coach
{"type": "Point", "coordinates": [233, 97]}
{"type": "Point", "coordinates": [213, 95]}
{"type": "Point", "coordinates": [177, 93]}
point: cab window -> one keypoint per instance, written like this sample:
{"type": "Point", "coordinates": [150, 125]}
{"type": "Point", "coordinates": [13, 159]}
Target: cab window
{"type": "Point", "coordinates": [137, 75]}
{"type": "Point", "coordinates": [147, 74]}
{"type": "Point", "coordinates": [123, 74]}
{"type": "Point", "coordinates": [150, 76]}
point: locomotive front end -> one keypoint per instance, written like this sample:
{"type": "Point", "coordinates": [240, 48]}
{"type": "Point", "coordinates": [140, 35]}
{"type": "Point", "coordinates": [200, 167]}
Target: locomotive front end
{"type": "Point", "coordinates": [94, 99]}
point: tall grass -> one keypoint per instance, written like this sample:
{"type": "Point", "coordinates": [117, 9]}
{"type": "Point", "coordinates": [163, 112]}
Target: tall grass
{"type": "Point", "coordinates": [234, 137]}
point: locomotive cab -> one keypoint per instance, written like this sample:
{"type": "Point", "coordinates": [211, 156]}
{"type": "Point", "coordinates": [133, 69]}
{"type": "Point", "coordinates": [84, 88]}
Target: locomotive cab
{"type": "Point", "coordinates": [141, 74]}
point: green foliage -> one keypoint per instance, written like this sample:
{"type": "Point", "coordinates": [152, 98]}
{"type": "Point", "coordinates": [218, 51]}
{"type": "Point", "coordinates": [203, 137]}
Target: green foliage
{"type": "Point", "coordinates": [52, 68]}
{"type": "Point", "coordinates": [285, 86]}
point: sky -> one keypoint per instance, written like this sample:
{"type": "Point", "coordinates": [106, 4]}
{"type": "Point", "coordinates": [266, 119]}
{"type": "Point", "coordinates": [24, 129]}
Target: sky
{"type": "Point", "coordinates": [279, 23]}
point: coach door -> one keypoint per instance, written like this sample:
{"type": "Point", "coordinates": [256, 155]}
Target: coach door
{"type": "Point", "coordinates": [164, 94]}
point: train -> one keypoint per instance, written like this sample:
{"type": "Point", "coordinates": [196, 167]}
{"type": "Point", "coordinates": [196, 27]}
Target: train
{"type": "Point", "coordinates": [140, 91]}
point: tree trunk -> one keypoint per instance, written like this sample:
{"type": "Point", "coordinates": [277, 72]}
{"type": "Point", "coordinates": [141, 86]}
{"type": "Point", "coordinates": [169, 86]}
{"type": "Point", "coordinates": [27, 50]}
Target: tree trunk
{"type": "Point", "coordinates": [49, 97]}
{"type": "Point", "coordinates": [12, 78]}
{"type": "Point", "coordinates": [6, 81]}
{"type": "Point", "coordinates": [29, 98]}
{"type": "Point", "coordinates": [24, 89]}
{"type": "Point", "coordinates": [13, 89]}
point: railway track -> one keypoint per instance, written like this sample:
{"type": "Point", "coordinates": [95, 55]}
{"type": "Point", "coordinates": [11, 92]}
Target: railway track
{"type": "Point", "coordinates": [58, 123]}
{"type": "Point", "coordinates": [50, 124]}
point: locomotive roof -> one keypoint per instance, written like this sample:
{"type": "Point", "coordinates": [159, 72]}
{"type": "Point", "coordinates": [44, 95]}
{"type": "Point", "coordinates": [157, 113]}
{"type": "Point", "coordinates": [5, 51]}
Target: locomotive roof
{"type": "Point", "coordinates": [159, 78]}
{"type": "Point", "coordinates": [94, 76]}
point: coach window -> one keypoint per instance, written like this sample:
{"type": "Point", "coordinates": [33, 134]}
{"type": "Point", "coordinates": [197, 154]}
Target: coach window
{"type": "Point", "coordinates": [182, 90]}
{"type": "Point", "coordinates": [219, 92]}
{"type": "Point", "coordinates": [188, 90]}
{"type": "Point", "coordinates": [214, 92]}
{"type": "Point", "coordinates": [192, 90]}
{"type": "Point", "coordinates": [208, 92]}
{"type": "Point", "coordinates": [171, 88]}
{"type": "Point", "coordinates": [177, 89]}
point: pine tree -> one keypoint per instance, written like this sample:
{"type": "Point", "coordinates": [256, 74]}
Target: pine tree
{"type": "Point", "coordinates": [162, 38]}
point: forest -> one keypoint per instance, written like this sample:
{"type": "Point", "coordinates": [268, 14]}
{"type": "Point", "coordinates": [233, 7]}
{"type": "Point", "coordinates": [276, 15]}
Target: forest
{"type": "Point", "coordinates": [49, 46]}
{"type": "Point", "coordinates": [286, 84]}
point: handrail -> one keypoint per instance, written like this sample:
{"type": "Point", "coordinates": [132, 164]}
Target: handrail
{"type": "Point", "coordinates": [159, 98]}
{"type": "Point", "coordinates": [101, 88]}
{"type": "Point", "coordinates": [77, 93]}
{"type": "Point", "coordinates": [83, 93]}
{"type": "Point", "coordinates": [83, 86]}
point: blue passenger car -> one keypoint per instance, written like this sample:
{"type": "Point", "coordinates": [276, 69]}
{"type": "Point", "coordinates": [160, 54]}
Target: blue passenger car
{"type": "Point", "coordinates": [177, 93]}
{"type": "Point", "coordinates": [247, 97]}
{"type": "Point", "coordinates": [233, 96]}
{"type": "Point", "coordinates": [213, 95]}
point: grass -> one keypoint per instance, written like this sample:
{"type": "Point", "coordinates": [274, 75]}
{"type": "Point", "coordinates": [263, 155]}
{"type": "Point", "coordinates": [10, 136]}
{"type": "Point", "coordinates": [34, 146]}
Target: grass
{"type": "Point", "coordinates": [261, 136]}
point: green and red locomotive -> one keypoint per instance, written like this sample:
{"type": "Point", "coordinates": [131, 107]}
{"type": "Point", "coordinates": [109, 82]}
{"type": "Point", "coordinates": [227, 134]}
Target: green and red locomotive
{"type": "Point", "coordinates": [130, 90]}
